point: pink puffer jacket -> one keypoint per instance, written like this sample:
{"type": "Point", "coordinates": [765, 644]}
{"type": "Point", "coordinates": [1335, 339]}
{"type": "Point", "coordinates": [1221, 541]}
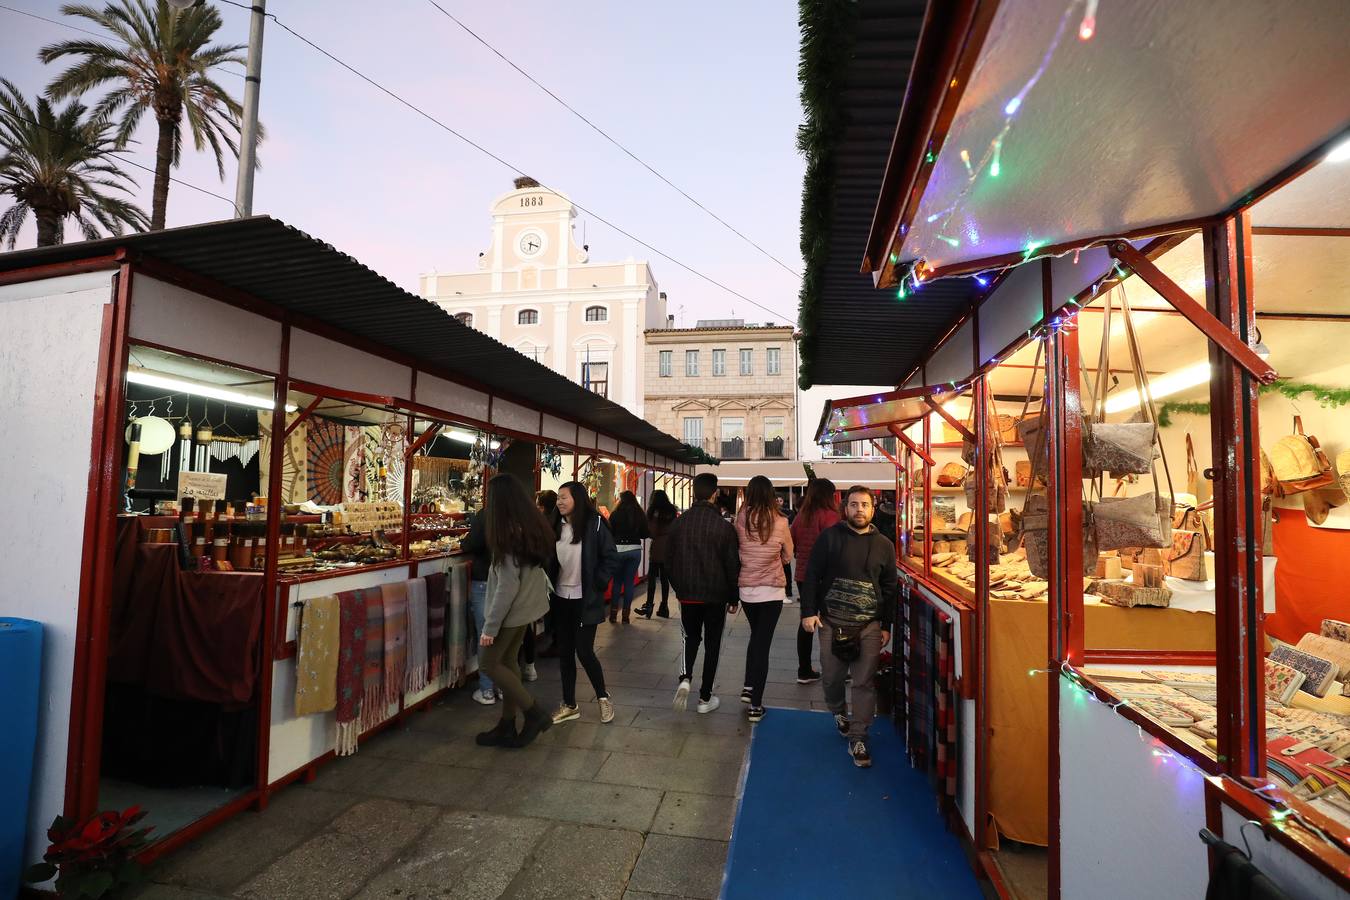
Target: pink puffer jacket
{"type": "Point", "coordinates": [762, 561]}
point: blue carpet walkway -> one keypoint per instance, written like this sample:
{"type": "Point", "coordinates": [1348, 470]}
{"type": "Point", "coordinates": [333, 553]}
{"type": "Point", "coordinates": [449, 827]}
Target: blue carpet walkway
{"type": "Point", "coordinates": [811, 824]}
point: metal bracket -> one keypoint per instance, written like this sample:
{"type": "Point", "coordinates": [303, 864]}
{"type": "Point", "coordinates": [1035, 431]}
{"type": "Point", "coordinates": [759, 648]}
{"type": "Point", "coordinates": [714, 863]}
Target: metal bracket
{"type": "Point", "coordinates": [1196, 314]}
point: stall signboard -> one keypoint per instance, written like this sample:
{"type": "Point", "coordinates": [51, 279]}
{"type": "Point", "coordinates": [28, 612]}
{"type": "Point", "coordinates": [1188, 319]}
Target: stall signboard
{"type": "Point", "coordinates": [201, 486]}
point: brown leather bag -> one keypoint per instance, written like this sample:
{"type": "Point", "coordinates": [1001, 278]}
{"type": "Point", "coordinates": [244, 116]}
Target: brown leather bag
{"type": "Point", "coordinates": [951, 475]}
{"type": "Point", "coordinates": [1299, 462]}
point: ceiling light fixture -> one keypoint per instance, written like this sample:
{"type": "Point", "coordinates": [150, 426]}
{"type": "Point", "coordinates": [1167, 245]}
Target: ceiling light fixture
{"type": "Point", "coordinates": [1164, 386]}
{"type": "Point", "coordinates": [164, 382]}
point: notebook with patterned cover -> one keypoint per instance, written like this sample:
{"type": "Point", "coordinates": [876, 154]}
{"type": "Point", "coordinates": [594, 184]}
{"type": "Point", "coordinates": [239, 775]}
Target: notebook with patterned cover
{"type": "Point", "coordinates": [1336, 629]}
{"type": "Point", "coordinates": [1282, 681]}
{"type": "Point", "coordinates": [1328, 648]}
{"type": "Point", "coordinates": [1318, 673]}
{"type": "Point", "coordinates": [1164, 712]}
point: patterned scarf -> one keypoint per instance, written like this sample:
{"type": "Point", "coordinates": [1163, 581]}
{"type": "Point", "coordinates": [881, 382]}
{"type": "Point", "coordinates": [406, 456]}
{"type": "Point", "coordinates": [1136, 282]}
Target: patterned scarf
{"type": "Point", "coordinates": [351, 656]}
{"type": "Point", "coordinates": [417, 634]}
{"type": "Point", "coordinates": [436, 597]}
{"type": "Point", "coordinates": [457, 628]}
{"type": "Point", "coordinates": [395, 640]}
{"type": "Point", "coordinates": [316, 657]}
{"type": "Point", "coordinates": [372, 669]}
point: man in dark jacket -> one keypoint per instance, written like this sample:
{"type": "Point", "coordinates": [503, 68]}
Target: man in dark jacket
{"type": "Point", "coordinates": [704, 565]}
{"type": "Point", "coordinates": [849, 596]}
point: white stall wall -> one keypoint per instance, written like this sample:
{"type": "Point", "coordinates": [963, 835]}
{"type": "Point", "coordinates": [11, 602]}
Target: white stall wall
{"type": "Point", "coordinates": [165, 314]}
{"type": "Point", "coordinates": [561, 430]}
{"type": "Point", "coordinates": [1130, 820]}
{"type": "Point", "coordinates": [452, 398]}
{"type": "Point", "coordinates": [320, 361]}
{"type": "Point", "coordinates": [1290, 874]}
{"type": "Point", "coordinates": [48, 365]}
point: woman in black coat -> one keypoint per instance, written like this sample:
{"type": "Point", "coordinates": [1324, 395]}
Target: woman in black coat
{"type": "Point", "coordinates": [586, 561]}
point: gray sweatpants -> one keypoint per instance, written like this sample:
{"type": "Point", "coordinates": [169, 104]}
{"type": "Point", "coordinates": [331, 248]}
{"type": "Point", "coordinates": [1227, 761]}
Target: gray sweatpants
{"type": "Point", "coordinates": [863, 669]}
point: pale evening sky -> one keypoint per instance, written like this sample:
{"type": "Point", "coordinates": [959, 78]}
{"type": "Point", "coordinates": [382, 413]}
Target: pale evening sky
{"type": "Point", "coordinates": [705, 92]}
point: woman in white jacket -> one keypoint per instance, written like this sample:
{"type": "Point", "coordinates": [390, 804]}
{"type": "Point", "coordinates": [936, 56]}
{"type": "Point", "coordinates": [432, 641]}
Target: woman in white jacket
{"type": "Point", "coordinates": [765, 548]}
{"type": "Point", "coordinates": [520, 543]}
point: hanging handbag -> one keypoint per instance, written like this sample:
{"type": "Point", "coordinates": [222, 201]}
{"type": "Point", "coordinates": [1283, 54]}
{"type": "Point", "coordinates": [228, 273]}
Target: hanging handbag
{"type": "Point", "coordinates": [1117, 447]}
{"type": "Point", "coordinates": [1299, 463]}
{"type": "Point", "coordinates": [1036, 537]}
{"type": "Point", "coordinates": [951, 474]}
{"type": "Point", "coordinates": [1191, 537]}
{"type": "Point", "coordinates": [1141, 521]}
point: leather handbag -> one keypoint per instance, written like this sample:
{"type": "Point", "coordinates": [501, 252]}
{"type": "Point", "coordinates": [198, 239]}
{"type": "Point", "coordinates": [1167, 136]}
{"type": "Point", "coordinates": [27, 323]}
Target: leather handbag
{"type": "Point", "coordinates": [1144, 520]}
{"type": "Point", "coordinates": [1036, 536]}
{"type": "Point", "coordinates": [1299, 462]}
{"type": "Point", "coordinates": [951, 474]}
{"type": "Point", "coordinates": [1187, 557]}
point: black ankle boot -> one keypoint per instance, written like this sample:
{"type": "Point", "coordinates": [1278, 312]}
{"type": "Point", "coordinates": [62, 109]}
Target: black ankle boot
{"type": "Point", "coordinates": [664, 611]}
{"type": "Point", "coordinates": [503, 734]}
{"type": "Point", "coordinates": [537, 720]}
{"type": "Point", "coordinates": [644, 611]}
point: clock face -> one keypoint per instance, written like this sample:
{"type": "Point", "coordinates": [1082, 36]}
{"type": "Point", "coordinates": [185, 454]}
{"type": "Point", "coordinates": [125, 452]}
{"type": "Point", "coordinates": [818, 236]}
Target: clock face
{"type": "Point", "coordinates": [531, 243]}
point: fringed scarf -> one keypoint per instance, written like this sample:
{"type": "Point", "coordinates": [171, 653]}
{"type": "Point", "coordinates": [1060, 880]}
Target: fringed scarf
{"type": "Point", "coordinates": [351, 659]}
{"type": "Point", "coordinates": [457, 628]}
{"type": "Point", "coordinates": [395, 640]}
{"type": "Point", "coordinates": [417, 634]}
{"type": "Point", "coordinates": [436, 597]}
{"type": "Point", "coordinates": [372, 667]}
{"type": "Point", "coordinates": [316, 657]}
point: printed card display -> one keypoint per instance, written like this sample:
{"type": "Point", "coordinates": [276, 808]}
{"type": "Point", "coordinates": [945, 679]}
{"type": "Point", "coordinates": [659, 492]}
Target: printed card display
{"type": "Point", "coordinates": [1318, 673]}
{"type": "Point", "coordinates": [1282, 681]}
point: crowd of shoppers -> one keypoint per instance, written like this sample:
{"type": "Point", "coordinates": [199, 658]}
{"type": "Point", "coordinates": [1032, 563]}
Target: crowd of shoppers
{"type": "Point", "coordinates": [558, 557]}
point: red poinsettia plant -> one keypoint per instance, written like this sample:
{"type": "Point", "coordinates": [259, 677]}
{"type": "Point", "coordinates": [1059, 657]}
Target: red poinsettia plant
{"type": "Point", "coordinates": [93, 857]}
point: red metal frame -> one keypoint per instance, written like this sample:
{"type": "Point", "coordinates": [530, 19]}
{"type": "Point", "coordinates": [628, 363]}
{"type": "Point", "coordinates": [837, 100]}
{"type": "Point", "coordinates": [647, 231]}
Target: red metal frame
{"type": "Point", "coordinates": [904, 439]}
{"type": "Point", "coordinates": [1197, 315]}
{"type": "Point", "coordinates": [951, 420]}
{"type": "Point", "coordinates": [979, 531]}
{"type": "Point", "coordinates": [1241, 796]}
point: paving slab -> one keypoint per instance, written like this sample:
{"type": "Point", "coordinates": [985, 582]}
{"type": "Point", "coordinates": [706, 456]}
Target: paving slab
{"type": "Point", "coordinates": [691, 722]}
{"type": "Point", "coordinates": [695, 776]}
{"type": "Point", "coordinates": [695, 815]}
{"type": "Point", "coordinates": [152, 891]}
{"type": "Point", "coordinates": [468, 856]}
{"type": "Point", "coordinates": [584, 803]}
{"type": "Point", "coordinates": [722, 748]}
{"type": "Point", "coordinates": [593, 736]}
{"type": "Point", "coordinates": [580, 861]}
{"type": "Point", "coordinates": [459, 788]}
{"type": "Point", "coordinates": [336, 862]}
{"type": "Point", "coordinates": [682, 866]}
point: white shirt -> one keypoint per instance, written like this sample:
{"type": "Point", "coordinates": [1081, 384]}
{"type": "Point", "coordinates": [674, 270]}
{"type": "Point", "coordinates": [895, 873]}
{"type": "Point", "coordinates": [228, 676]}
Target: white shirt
{"type": "Point", "coordinates": [569, 565]}
{"type": "Point", "coordinates": [760, 593]}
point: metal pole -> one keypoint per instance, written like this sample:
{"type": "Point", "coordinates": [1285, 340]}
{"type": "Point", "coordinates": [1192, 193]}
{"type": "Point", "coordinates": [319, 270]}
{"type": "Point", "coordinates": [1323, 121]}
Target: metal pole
{"type": "Point", "coordinates": [248, 136]}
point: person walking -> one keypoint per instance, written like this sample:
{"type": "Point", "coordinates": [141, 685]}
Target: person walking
{"type": "Point", "coordinates": [818, 512]}
{"type": "Point", "coordinates": [475, 547]}
{"type": "Point", "coordinates": [585, 561]}
{"type": "Point", "coordinates": [848, 596]}
{"type": "Point", "coordinates": [661, 515]}
{"type": "Point", "coordinates": [629, 525]}
{"type": "Point", "coordinates": [765, 548]}
{"type": "Point", "coordinates": [520, 544]}
{"type": "Point", "coordinates": [704, 568]}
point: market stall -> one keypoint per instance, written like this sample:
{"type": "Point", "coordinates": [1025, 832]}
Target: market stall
{"type": "Point", "coordinates": [1071, 258]}
{"type": "Point", "coordinates": [259, 435]}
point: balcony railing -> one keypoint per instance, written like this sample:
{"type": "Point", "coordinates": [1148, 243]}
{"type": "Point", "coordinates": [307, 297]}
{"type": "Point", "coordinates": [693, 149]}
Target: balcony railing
{"type": "Point", "coordinates": [743, 448]}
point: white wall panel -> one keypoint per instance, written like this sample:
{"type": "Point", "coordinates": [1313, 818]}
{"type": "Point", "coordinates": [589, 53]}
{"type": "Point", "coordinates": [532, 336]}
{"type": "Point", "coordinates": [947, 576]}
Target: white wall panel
{"type": "Point", "coordinates": [586, 439]}
{"type": "Point", "coordinates": [556, 429]}
{"type": "Point", "coordinates": [514, 416]}
{"type": "Point", "coordinates": [451, 398]}
{"type": "Point", "coordinates": [1290, 873]}
{"type": "Point", "coordinates": [165, 314]}
{"type": "Point", "coordinates": [607, 444]}
{"type": "Point", "coordinates": [1013, 309]}
{"type": "Point", "coordinates": [628, 452]}
{"type": "Point", "coordinates": [330, 364]}
{"type": "Point", "coordinates": [52, 334]}
{"type": "Point", "coordinates": [954, 361]}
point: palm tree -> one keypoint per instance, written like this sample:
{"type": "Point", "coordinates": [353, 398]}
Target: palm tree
{"type": "Point", "coordinates": [166, 67]}
{"type": "Point", "coordinates": [56, 165]}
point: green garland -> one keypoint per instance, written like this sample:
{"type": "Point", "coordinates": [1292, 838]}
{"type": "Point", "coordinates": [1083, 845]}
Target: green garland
{"type": "Point", "coordinates": [1325, 396]}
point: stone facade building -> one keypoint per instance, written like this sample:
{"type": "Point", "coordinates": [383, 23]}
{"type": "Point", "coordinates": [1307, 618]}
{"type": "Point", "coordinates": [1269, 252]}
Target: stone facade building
{"type": "Point", "coordinates": [536, 290]}
{"type": "Point", "coordinates": [725, 386]}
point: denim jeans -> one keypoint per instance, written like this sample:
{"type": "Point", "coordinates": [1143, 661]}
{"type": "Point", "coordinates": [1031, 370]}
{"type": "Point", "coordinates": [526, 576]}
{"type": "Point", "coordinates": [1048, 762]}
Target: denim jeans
{"type": "Point", "coordinates": [624, 590]}
{"type": "Point", "coordinates": [478, 604]}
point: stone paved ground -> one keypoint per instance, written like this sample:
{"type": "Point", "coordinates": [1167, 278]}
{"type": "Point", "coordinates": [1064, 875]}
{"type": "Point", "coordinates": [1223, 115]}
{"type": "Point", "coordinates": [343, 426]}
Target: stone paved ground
{"type": "Point", "coordinates": [640, 808]}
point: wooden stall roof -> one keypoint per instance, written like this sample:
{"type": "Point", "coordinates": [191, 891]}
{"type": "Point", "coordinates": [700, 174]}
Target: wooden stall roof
{"type": "Point", "coordinates": [282, 266]}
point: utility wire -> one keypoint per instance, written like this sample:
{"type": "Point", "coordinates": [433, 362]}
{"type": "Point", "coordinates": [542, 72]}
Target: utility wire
{"type": "Point", "coordinates": [486, 152]}
{"type": "Point", "coordinates": [600, 131]}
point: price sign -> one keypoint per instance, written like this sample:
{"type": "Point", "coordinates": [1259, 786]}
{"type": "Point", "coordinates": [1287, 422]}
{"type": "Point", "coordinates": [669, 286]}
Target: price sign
{"type": "Point", "coordinates": [201, 485]}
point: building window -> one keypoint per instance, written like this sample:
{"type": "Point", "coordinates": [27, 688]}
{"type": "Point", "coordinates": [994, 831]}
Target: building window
{"type": "Point", "coordinates": [597, 314]}
{"type": "Point", "coordinates": [747, 365]}
{"type": "Point", "coordinates": [733, 438]}
{"type": "Point", "coordinates": [665, 363]}
{"type": "Point", "coordinates": [465, 319]}
{"type": "Point", "coordinates": [719, 362]}
{"type": "Point", "coordinates": [595, 377]}
{"type": "Point", "coordinates": [772, 361]}
{"type": "Point", "coordinates": [693, 431]}
{"type": "Point", "coordinates": [691, 362]}
{"type": "Point", "coordinates": [527, 317]}
{"type": "Point", "coordinates": [775, 437]}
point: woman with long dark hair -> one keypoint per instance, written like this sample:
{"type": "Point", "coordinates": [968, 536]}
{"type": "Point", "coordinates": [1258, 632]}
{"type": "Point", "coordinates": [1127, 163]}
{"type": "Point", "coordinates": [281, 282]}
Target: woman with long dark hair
{"type": "Point", "coordinates": [819, 511]}
{"type": "Point", "coordinates": [628, 524]}
{"type": "Point", "coordinates": [585, 562]}
{"type": "Point", "coordinates": [520, 544]}
{"type": "Point", "coordinates": [765, 546]}
{"type": "Point", "coordinates": [661, 515]}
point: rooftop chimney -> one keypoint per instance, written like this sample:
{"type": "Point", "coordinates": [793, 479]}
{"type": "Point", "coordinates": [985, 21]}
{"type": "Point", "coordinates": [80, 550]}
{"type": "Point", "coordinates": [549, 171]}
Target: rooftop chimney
{"type": "Point", "coordinates": [525, 181]}
{"type": "Point", "coordinates": [670, 320]}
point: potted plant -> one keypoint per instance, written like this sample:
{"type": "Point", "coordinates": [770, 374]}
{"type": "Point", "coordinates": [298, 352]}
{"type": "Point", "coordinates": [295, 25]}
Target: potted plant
{"type": "Point", "coordinates": [94, 857]}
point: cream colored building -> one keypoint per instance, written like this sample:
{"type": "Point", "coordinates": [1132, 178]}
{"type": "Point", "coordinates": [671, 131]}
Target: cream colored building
{"type": "Point", "coordinates": [537, 291]}
{"type": "Point", "coordinates": [727, 387]}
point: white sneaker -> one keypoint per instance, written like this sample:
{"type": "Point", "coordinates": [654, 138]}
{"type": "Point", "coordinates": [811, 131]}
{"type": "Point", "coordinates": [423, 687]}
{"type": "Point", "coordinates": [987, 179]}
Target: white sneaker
{"type": "Point", "coordinates": [485, 699]}
{"type": "Point", "coordinates": [707, 706]}
{"type": "Point", "coordinates": [530, 672]}
{"type": "Point", "coordinates": [681, 701]}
